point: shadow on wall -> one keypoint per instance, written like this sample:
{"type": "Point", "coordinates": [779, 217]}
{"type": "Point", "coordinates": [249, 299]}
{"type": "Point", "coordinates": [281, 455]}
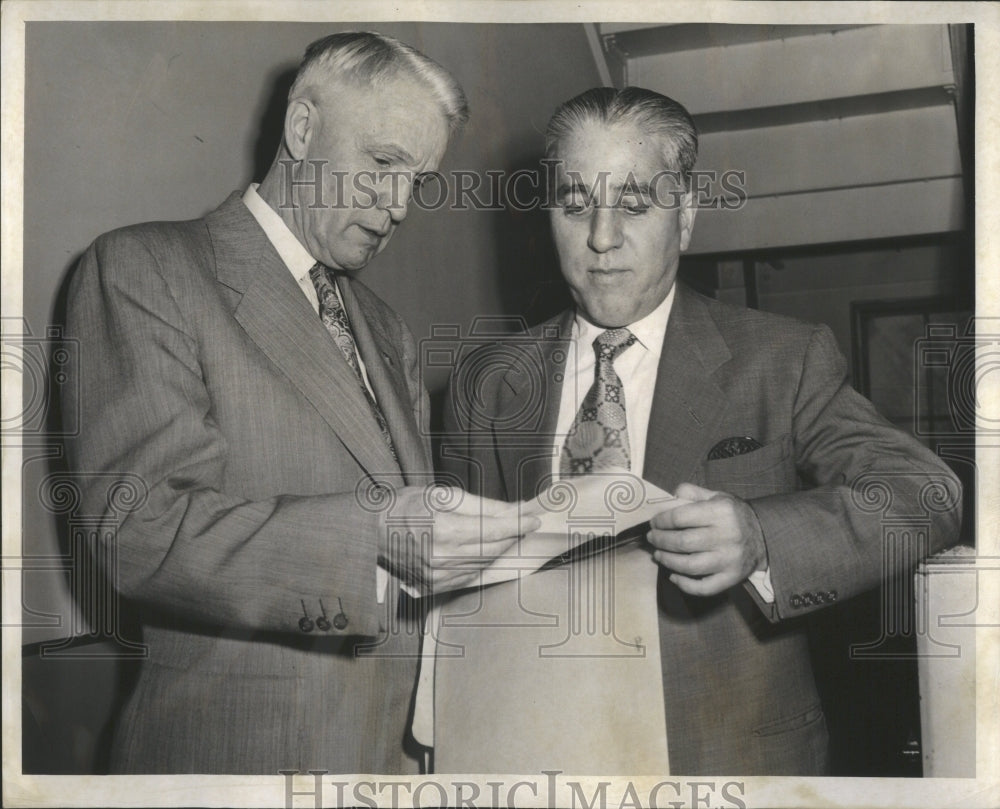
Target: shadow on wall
{"type": "Point", "coordinates": [62, 733]}
{"type": "Point", "coordinates": [272, 120]}
{"type": "Point", "coordinates": [532, 286]}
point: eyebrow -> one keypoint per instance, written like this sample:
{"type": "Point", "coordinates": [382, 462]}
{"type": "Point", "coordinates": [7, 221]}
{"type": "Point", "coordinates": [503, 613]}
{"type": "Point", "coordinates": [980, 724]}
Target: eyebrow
{"type": "Point", "coordinates": [620, 190]}
{"type": "Point", "coordinates": [397, 151]}
{"type": "Point", "coordinates": [565, 188]}
{"type": "Point", "coordinates": [635, 188]}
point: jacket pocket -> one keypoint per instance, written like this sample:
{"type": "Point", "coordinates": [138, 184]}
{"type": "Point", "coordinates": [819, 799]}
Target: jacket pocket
{"type": "Point", "coordinates": [768, 470]}
{"type": "Point", "coordinates": [810, 716]}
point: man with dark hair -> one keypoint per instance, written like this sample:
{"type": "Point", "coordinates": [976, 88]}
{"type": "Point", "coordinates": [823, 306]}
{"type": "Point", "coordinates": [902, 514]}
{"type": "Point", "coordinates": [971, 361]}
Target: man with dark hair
{"type": "Point", "coordinates": [252, 390]}
{"type": "Point", "coordinates": [747, 416]}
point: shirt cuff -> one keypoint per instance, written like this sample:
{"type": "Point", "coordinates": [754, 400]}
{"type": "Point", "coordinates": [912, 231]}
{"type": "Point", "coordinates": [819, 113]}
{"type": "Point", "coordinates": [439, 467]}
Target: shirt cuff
{"type": "Point", "coordinates": [761, 581]}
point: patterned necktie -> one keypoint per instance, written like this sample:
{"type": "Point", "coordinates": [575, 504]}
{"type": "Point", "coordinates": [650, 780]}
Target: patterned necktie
{"type": "Point", "coordinates": [598, 437]}
{"type": "Point", "coordinates": [331, 312]}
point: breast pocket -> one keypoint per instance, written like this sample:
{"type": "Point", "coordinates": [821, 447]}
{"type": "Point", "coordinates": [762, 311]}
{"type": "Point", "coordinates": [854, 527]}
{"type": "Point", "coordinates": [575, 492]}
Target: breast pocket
{"type": "Point", "coordinates": [768, 470]}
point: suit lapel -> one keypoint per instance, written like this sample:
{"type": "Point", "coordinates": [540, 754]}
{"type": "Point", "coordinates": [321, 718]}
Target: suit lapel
{"type": "Point", "coordinates": [687, 403]}
{"type": "Point", "coordinates": [385, 370]}
{"type": "Point", "coordinates": [526, 465]}
{"type": "Point", "coordinates": [278, 318]}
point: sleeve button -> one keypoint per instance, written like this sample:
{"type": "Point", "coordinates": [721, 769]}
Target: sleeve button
{"type": "Point", "coordinates": [340, 620]}
{"type": "Point", "coordinates": [305, 624]}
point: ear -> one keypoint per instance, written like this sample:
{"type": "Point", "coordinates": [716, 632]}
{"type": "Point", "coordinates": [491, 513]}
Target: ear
{"type": "Point", "coordinates": [300, 121]}
{"type": "Point", "coordinates": [687, 213]}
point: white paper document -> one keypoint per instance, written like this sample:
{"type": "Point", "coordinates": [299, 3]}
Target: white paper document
{"type": "Point", "coordinates": [550, 662]}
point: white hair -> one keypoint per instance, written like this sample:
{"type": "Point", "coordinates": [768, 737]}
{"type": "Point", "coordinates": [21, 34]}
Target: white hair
{"type": "Point", "coordinates": [368, 56]}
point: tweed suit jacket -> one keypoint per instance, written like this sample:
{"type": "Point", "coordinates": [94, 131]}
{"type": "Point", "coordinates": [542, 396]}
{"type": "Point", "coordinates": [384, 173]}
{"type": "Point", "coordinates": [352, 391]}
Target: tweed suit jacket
{"type": "Point", "coordinates": [739, 691]}
{"type": "Point", "coordinates": [207, 380]}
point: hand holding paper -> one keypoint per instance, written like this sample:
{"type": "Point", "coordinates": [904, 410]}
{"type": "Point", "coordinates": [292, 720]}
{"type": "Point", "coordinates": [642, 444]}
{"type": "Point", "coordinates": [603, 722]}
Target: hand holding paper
{"type": "Point", "coordinates": [711, 543]}
{"type": "Point", "coordinates": [569, 514]}
{"type": "Point", "coordinates": [440, 537]}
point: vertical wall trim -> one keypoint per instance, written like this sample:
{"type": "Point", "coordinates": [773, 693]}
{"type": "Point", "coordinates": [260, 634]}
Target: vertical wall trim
{"type": "Point", "coordinates": [594, 40]}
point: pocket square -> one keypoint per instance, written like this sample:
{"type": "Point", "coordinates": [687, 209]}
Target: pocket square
{"type": "Point", "coordinates": [736, 445]}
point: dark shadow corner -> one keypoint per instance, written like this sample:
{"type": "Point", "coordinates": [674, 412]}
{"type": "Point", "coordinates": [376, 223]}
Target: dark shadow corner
{"type": "Point", "coordinates": [271, 117]}
{"type": "Point", "coordinates": [533, 287]}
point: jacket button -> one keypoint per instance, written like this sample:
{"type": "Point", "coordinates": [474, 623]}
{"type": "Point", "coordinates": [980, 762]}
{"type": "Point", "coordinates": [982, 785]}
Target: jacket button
{"type": "Point", "coordinates": [305, 624]}
{"type": "Point", "coordinates": [340, 620]}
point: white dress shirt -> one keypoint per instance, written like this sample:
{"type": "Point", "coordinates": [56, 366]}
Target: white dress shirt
{"type": "Point", "coordinates": [299, 262]}
{"type": "Point", "coordinates": [637, 367]}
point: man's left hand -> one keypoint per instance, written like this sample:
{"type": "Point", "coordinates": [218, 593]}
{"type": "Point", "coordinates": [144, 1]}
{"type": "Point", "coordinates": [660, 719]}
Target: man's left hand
{"type": "Point", "coordinates": [710, 544]}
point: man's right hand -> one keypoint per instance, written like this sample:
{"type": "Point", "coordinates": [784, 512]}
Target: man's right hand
{"type": "Point", "coordinates": [440, 537]}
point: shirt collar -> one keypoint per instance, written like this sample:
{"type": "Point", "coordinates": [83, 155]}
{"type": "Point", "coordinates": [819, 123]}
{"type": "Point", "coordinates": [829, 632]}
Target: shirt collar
{"type": "Point", "coordinates": [289, 248]}
{"type": "Point", "coordinates": [649, 331]}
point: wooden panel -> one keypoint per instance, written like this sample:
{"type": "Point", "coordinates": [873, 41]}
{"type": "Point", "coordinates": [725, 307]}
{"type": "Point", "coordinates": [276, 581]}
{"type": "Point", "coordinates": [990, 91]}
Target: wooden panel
{"type": "Point", "coordinates": [618, 27]}
{"type": "Point", "coordinates": [863, 150]}
{"type": "Point", "coordinates": [827, 110]}
{"type": "Point", "coordinates": [643, 39]}
{"type": "Point", "coordinates": [855, 269]}
{"type": "Point", "coordinates": [900, 209]}
{"type": "Point", "coordinates": [858, 61]}
{"type": "Point", "coordinates": [946, 604]}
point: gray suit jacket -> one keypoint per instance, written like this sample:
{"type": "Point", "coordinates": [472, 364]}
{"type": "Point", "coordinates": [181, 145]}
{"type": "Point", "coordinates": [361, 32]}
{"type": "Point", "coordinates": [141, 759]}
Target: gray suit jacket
{"type": "Point", "coordinates": [829, 481]}
{"type": "Point", "coordinates": [206, 376]}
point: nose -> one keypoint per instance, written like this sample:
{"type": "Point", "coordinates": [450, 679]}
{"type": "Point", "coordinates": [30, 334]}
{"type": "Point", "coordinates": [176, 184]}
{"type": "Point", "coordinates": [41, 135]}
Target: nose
{"type": "Point", "coordinates": [605, 229]}
{"type": "Point", "coordinates": [394, 196]}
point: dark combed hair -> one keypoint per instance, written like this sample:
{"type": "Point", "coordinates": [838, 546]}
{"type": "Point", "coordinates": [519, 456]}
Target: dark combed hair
{"type": "Point", "coordinates": [650, 111]}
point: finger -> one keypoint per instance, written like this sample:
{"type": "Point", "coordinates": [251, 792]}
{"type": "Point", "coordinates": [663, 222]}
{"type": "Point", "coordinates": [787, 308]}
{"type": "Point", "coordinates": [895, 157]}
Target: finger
{"type": "Point", "coordinates": [689, 564]}
{"type": "Point", "coordinates": [708, 586]}
{"type": "Point", "coordinates": [501, 520]}
{"type": "Point", "coordinates": [689, 515]}
{"type": "Point", "coordinates": [689, 491]}
{"type": "Point", "coordinates": [474, 529]}
{"type": "Point", "coordinates": [471, 556]}
{"type": "Point", "coordinates": [514, 525]}
{"type": "Point", "coordinates": [687, 540]}
{"type": "Point", "coordinates": [472, 504]}
{"type": "Point", "coordinates": [461, 567]}
{"type": "Point", "coordinates": [528, 524]}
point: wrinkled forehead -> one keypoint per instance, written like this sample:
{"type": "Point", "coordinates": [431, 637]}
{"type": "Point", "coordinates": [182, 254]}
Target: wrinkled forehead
{"type": "Point", "coordinates": [614, 151]}
{"type": "Point", "coordinates": [620, 156]}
